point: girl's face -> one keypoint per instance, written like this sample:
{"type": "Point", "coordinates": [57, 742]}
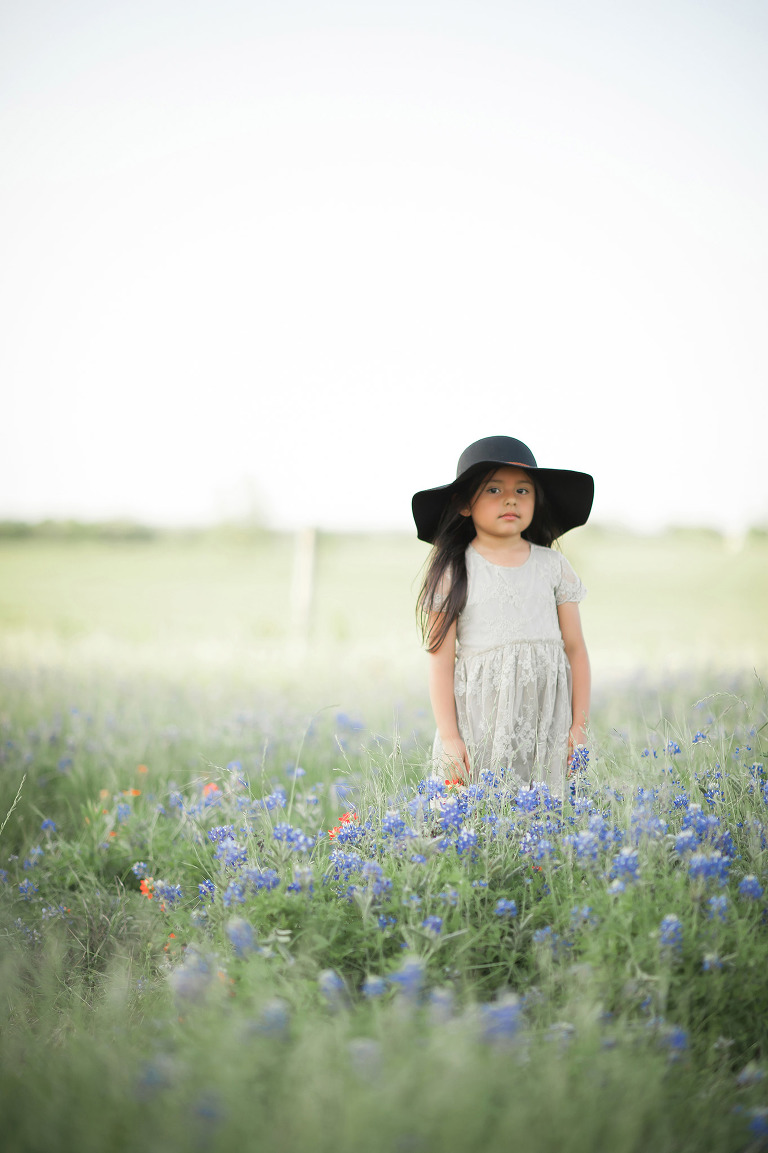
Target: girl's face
{"type": "Point", "coordinates": [504, 503]}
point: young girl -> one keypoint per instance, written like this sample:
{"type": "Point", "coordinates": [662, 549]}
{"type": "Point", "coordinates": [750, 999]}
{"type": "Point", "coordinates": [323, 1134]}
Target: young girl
{"type": "Point", "coordinates": [509, 673]}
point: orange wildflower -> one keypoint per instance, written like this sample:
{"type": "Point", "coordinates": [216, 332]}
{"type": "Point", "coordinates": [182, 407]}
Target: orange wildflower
{"type": "Point", "coordinates": [131, 792]}
{"type": "Point", "coordinates": [142, 769]}
{"type": "Point", "coordinates": [344, 819]}
{"type": "Point", "coordinates": [146, 887]}
{"type": "Point", "coordinates": [210, 788]}
{"type": "Point", "coordinates": [103, 794]}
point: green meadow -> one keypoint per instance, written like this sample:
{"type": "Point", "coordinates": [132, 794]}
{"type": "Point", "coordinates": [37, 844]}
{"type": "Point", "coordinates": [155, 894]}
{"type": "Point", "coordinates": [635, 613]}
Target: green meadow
{"type": "Point", "coordinates": [233, 908]}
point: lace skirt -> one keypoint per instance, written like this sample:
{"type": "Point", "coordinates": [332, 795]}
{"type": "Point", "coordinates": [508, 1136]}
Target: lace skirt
{"type": "Point", "coordinates": [513, 706]}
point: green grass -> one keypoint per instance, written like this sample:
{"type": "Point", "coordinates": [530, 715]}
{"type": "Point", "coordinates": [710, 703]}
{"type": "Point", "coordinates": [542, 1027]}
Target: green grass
{"type": "Point", "coordinates": [136, 1024]}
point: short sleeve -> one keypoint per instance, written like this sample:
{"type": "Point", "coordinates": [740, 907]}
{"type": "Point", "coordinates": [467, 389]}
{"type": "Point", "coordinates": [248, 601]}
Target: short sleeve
{"type": "Point", "coordinates": [568, 587]}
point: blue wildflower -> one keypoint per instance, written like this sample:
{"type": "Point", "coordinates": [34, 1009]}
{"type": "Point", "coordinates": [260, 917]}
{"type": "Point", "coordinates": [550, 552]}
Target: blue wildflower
{"type": "Point", "coordinates": [27, 889]}
{"type": "Point", "coordinates": [35, 854]}
{"type": "Point", "coordinates": [241, 936]}
{"type": "Point", "coordinates": [374, 987]}
{"type": "Point", "coordinates": [718, 907]}
{"type": "Point", "coordinates": [465, 840]}
{"type": "Point", "coordinates": [409, 978]}
{"type": "Point", "coordinates": [230, 853]}
{"type": "Point", "coordinates": [626, 864]}
{"type": "Point", "coordinates": [418, 859]}
{"type": "Point", "coordinates": [48, 826]}
{"type": "Point", "coordinates": [505, 908]}
{"type": "Point", "coordinates": [221, 833]}
{"type": "Point", "coordinates": [123, 812]}
{"type": "Point", "coordinates": [333, 989]}
{"type": "Point", "coordinates": [433, 925]}
{"type": "Point", "coordinates": [750, 888]}
{"type": "Point", "coordinates": [140, 869]}
{"type": "Point", "coordinates": [500, 1019]}
{"type": "Point", "coordinates": [671, 932]}
{"type": "Point", "coordinates": [709, 867]}
{"type": "Point", "coordinates": [710, 962]}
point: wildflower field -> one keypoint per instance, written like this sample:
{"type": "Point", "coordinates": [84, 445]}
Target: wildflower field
{"type": "Point", "coordinates": [235, 907]}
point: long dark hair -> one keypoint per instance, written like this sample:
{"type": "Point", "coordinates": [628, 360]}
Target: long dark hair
{"type": "Point", "coordinates": [447, 559]}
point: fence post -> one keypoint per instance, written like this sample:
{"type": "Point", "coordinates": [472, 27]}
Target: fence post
{"type": "Point", "coordinates": [303, 583]}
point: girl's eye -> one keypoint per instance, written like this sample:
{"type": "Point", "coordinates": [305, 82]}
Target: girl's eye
{"type": "Point", "coordinates": [493, 488]}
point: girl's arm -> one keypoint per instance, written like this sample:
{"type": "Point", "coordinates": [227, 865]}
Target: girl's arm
{"type": "Point", "coordinates": [441, 695]}
{"type": "Point", "coordinates": [576, 651]}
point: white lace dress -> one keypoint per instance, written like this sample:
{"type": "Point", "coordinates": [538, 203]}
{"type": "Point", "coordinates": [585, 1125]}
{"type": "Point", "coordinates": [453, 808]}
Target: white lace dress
{"type": "Point", "coordinates": [512, 679]}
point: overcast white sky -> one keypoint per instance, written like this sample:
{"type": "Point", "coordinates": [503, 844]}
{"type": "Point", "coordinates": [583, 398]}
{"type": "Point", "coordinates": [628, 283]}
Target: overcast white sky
{"type": "Point", "coordinates": [297, 255]}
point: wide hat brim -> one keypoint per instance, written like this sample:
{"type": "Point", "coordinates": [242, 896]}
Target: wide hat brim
{"type": "Point", "coordinates": [569, 494]}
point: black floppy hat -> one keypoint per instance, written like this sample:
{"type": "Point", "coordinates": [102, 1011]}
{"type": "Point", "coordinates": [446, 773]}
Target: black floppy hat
{"type": "Point", "coordinates": [569, 494]}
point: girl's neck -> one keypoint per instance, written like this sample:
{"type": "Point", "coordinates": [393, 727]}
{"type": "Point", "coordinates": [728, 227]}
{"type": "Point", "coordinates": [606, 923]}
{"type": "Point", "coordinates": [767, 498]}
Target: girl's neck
{"type": "Point", "coordinates": [507, 554]}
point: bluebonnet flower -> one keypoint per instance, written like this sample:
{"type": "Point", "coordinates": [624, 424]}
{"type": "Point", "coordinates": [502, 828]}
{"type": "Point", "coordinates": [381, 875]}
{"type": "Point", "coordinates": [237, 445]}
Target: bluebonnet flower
{"type": "Point", "coordinates": [230, 853]}
{"type": "Point", "coordinates": [140, 869]}
{"type": "Point", "coordinates": [500, 1019]}
{"type": "Point", "coordinates": [479, 883]}
{"type": "Point", "coordinates": [758, 1123]}
{"type": "Point", "coordinates": [48, 826]}
{"type": "Point", "coordinates": [617, 886]}
{"type": "Point", "coordinates": [645, 823]}
{"type": "Point", "coordinates": [710, 962]}
{"type": "Point", "coordinates": [409, 978]}
{"type": "Point", "coordinates": [671, 932]}
{"type": "Point", "coordinates": [333, 989]}
{"type": "Point", "coordinates": [673, 748]}
{"type": "Point", "coordinates": [412, 899]}
{"type": "Point", "coordinates": [626, 864]}
{"type": "Point", "coordinates": [750, 888]}
{"type": "Point", "coordinates": [433, 925]}
{"type": "Point", "coordinates": [65, 764]}
{"type": "Point", "coordinates": [261, 879]}
{"type": "Point", "coordinates": [699, 736]}
{"type": "Point", "coordinates": [585, 845]}
{"type": "Point", "coordinates": [418, 859]}
{"type": "Point", "coordinates": [4, 876]}
{"type": "Point", "coordinates": [275, 800]}
{"type": "Point", "coordinates": [582, 917]}
{"type": "Point", "coordinates": [241, 935]}
{"type": "Point", "coordinates": [35, 854]}
{"type": "Point", "coordinates": [505, 908]}
{"type": "Point", "coordinates": [165, 892]}
{"type": "Point", "coordinates": [543, 850]}
{"type": "Point", "coordinates": [374, 987]}
{"type": "Point", "coordinates": [450, 896]}
{"type": "Point", "coordinates": [675, 1039]}
{"type": "Point", "coordinates": [233, 894]}
{"type": "Point", "coordinates": [718, 907]}
{"type": "Point", "coordinates": [26, 889]}
{"type": "Point", "coordinates": [191, 979]}
{"type": "Point", "coordinates": [452, 814]}
{"type": "Point", "coordinates": [686, 841]}
{"type": "Point", "coordinates": [206, 889]}
{"type": "Point", "coordinates": [709, 867]}
{"type": "Point", "coordinates": [123, 812]}
{"type": "Point", "coordinates": [465, 840]}
{"type": "Point", "coordinates": [303, 881]}
{"type": "Point", "coordinates": [221, 833]}
{"type": "Point", "coordinates": [392, 825]}
{"type": "Point", "coordinates": [385, 923]}
{"type": "Point", "coordinates": [295, 772]}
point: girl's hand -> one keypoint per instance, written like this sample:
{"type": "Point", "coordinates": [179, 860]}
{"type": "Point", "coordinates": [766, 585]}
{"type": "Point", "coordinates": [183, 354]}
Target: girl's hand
{"type": "Point", "coordinates": [577, 738]}
{"type": "Point", "coordinates": [456, 758]}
